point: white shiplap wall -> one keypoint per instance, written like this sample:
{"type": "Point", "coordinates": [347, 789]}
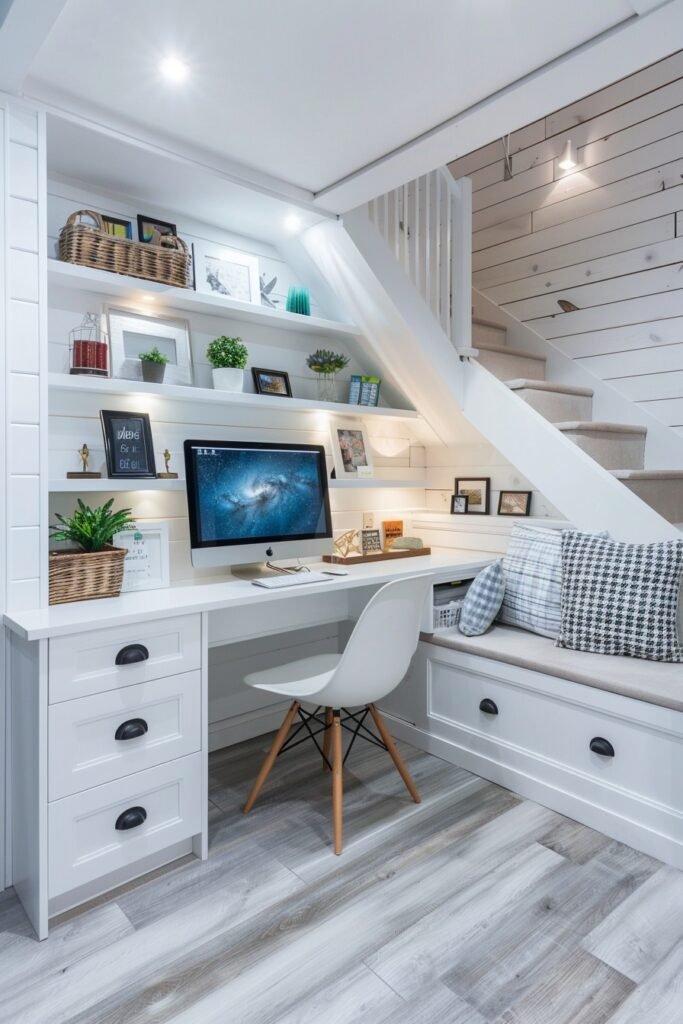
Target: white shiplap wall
{"type": "Point", "coordinates": [607, 237]}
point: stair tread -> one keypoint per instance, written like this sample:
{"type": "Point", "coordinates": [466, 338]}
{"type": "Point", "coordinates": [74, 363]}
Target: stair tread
{"type": "Point", "coordinates": [507, 351]}
{"type": "Point", "coordinates": [479, 322]}
{"type": "Point", "coordinates": [602, 427]}
{"type": "Point", "coordinates": [647, 474]}
{"type": "Point", "coordinates": [545, 385]}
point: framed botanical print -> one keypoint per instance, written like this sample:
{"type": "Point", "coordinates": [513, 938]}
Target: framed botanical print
{"type": "Point", "coordinates": [131, 333]}
{"type": "Point", "coordinates": [350, 450]}
{"type": "Point", "coordinates": [477, 490]}
{"type": "Point", "coordinates": [227, 272]}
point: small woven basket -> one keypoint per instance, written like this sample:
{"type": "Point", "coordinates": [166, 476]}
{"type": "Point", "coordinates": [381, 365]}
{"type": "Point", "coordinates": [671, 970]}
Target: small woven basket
{"type": "Point", "coordinates": [91, 246]}
{"type": "Point", "coordinates": [86, 575]}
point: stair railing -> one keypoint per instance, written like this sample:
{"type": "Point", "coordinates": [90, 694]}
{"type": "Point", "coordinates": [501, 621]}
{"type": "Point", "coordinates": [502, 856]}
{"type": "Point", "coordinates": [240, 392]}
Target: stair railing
{"type": "Point", "coordinates": [427, 223]}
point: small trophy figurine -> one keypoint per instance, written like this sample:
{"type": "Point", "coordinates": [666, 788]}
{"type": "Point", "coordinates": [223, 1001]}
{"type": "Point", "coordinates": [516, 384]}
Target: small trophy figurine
{"type": "Point", "coordinates": [167, 461]}
{"type": "Point", "coordinates": [84, 453]}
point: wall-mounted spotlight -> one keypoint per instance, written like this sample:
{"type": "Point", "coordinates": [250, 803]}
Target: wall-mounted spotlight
{"type": "Point", "coordinates": [568, 159]}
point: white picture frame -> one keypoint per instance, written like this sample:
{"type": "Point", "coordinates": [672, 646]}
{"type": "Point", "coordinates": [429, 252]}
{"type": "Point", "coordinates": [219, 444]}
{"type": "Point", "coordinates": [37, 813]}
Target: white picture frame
{"type": "Point", "coordinates": [147, 564]}
{"type": "Point", "coordinates": [226, 273]}
{"type": "Point", "coordinates": [351, 450]}
{"type": "Point", "coordinates": [132, 332]}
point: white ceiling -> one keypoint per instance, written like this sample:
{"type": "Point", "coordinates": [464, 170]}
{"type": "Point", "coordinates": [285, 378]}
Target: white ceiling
{"type": "Point", "coordinates": [306, 92]}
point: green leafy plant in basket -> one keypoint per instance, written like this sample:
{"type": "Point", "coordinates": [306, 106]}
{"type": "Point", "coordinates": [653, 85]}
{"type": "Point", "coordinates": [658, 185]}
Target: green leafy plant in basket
{"type": "Point", "coordinates": [227, 353]}
{"type": "Point", "coordinates": [91, 529]}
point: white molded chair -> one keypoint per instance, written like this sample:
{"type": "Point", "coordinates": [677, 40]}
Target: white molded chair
{"type": "Point", "coordinates": [374, 662]}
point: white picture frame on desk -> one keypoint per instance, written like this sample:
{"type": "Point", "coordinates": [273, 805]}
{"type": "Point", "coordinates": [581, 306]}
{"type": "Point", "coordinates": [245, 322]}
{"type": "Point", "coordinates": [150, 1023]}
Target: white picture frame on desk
{"type": "Point", "coordinates": [351, 450]}
{"type": "Point", "coordinates": [147, 564]}
{"type": "Point", "coordinates": [132, 332]}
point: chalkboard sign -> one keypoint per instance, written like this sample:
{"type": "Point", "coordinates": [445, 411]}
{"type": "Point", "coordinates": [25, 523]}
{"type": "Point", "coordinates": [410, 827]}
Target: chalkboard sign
{"type": "Point", "coordinates": [128, 444]}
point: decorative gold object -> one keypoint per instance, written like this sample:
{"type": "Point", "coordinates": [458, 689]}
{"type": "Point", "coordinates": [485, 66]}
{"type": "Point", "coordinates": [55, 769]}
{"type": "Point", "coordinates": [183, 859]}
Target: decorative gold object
{"type": "Point", "coordinates": [84, 453]}
{"type": "Point", "coordinates": [347, 543]}
{"type": "Point", "coordinates": [167, 462]}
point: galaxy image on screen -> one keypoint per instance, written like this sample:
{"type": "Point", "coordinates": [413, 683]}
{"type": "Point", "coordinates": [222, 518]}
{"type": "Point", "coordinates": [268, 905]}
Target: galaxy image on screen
{"type": "Point", "coordinates": [250, 494]}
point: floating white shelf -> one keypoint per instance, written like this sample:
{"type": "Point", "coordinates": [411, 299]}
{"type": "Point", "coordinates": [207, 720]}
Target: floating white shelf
{"type": "Point", "coordinates": [71, 275]}
{"type": "Point", "coordinates": [106, 484]}
{"type": "Point", "coordinates": [180, 393]}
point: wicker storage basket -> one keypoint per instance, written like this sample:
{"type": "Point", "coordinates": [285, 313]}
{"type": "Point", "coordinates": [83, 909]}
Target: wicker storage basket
{"type": "Point", "coordinates": [83, 575]}
{"type": "Point", "coordinates": [91, 246]}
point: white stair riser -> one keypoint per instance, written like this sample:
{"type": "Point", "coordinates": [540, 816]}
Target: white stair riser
{"type": "Point", "coordinates": [664, 496]}
{"type": "Point", "coordinates": [506, 366]}
{"type": "Point", "coordinates": [556, 407]}
{"type": "Point", "coordinates": [613, 451]}
{"type": "Point", "coordinates": [487, 334]}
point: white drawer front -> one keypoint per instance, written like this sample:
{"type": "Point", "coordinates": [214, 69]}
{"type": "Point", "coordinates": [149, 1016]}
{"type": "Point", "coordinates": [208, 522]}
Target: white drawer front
{"type": "Point", "coordinates": [84, 842]}
{"type": "Point", "coordinates": [86, 663]}
{"type": "Point", "coordinates": [155, 722]}
{"type": "Point", "coordinates": [646, 761]}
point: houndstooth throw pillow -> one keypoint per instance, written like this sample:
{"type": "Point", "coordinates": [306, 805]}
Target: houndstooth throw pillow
{"type": "Point", "coordinates": [621, 598]}
{"type": "Point", "coordinates": [482, 601]}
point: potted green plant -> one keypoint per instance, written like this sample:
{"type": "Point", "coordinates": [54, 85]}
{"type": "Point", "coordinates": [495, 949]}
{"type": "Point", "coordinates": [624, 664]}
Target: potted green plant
{"type": "Point", "coordinates": [327, 364]}
{"type": "Point", "coordinates": [94, 567]}
{"type": "Point", "coordinates": [228, 357]}
{"type": "Point", "coordinates": [153, 366]}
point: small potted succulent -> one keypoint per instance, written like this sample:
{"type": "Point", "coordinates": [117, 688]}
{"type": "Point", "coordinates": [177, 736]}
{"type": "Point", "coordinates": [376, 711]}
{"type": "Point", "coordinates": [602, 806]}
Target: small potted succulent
{"type": "Point", "coordinates": [228, 357]}
{"type": "Point", "coordinates": [327, 365]}
{"type": "Point", "coordinates": [153, 366]}
{"type": "Point", "coordinates": [94, 567]}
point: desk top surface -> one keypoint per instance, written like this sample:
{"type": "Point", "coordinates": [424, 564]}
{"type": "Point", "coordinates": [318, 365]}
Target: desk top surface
{"type": "Point", "coordinates": [182, 599]}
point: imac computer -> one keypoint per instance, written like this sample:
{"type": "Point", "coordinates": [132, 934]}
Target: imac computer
{"type": "Point", "coordinates": [250, 502]}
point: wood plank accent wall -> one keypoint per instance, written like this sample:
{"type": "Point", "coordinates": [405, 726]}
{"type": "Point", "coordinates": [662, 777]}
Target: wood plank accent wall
{"type": "Point", "coordinates": [606, 237]}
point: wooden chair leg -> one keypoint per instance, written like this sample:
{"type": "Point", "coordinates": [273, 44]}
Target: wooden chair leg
{"type": "Point", "coordinates": [393, 751]}
{"type": "Point", "coordinates": [279, 740]}
{"type": "Point", "coordinates": [337, 783]}
{"type": "Point", "coordinates": [327, 738]}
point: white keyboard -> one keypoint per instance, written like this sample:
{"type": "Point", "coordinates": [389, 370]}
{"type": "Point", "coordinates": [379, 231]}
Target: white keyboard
{"type": "Point", "coordinates": [295, 579]}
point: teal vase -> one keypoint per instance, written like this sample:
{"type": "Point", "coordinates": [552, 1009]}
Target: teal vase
{"type": "Point", "coordinates": [299, 301]}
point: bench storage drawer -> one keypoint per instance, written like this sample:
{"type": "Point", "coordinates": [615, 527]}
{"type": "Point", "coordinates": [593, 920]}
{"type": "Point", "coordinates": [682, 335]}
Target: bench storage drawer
{"type": "Point", "coordinates": [104, 659]}
{"type": "Point", "coordinates": [96, 739]}
{"type": "Point", "coordinates": [112, 826]}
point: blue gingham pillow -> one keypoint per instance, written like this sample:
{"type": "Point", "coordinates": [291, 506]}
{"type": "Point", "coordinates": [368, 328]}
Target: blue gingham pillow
{"type": "Point", "coordinates": [482, 601]}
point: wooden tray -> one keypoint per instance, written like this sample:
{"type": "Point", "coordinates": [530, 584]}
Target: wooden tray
{"type": "Point", "coordinates": [379, 556]}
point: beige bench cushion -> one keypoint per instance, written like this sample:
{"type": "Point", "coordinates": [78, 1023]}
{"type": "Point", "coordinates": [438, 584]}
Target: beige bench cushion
{"type": "Point", "coordinates": [654, 682]}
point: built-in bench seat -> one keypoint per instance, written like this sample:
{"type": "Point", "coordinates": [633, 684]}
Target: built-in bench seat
{"type": "Point", "coordinates": [597, 738]}
{"type": "Point", "coordinates": [654, 682]}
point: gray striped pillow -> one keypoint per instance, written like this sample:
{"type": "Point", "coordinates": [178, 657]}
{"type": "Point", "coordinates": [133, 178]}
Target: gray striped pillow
{"type": "Point", "coordinates": [533, 580]}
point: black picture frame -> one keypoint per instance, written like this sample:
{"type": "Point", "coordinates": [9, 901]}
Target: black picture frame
{"type": "Point", "coordinates": [118, 222]}
{"type": "Point", "coordinates": [463, 482]}
{"type": "Point", "coordinates": [527, 505]}
{"type": "Point", "coordinates": [163, 226]}
{"type": "Point", "coordinates": [463, 500]}
{"type": "Point", "coordinates": [139, 447]}
{"type": "Point", "coordinates": [259, 374]}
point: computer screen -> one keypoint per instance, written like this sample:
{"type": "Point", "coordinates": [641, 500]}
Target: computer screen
{"type": "Point", "coordinates": [252, 493]}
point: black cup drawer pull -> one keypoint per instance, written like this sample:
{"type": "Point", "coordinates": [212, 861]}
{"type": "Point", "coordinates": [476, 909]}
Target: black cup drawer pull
{"type": "Point", "coordinates": [488, 706]}
{"type": "Point", "coordinates": [131, 818]}
{"type": "Point", "coordinates": [602, 746]}
{"type": "Point", "coordinates": [132, 653]}
{"type": "Point", "coordinates": [131, 729]}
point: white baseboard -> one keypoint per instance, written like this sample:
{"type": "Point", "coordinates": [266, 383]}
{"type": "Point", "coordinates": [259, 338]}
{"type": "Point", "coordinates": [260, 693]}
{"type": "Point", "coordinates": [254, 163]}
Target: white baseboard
{"type": "Point", "coordinates": [229, 731]}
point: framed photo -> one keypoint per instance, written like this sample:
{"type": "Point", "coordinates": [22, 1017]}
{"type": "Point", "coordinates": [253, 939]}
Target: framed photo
{"type": "Point", "coordinates": [514, 503]}
{"type": "Point", "coordinates": [227, 272]}
{"type": "Point", "coordinates": [371, 541]}
{"type": "Point", "coordinates": [350, 450]}
{"type": "Point", "coordinates": [477, 490]}
{"type": "Point", "coordinates": [118, 228]}
{"type": "Point", "coordinates": [146, 566]}
{"type": "Point", "coordinates": [131, 333]}
{"type": "Point", "coordinates": [459, 503]}
{"type": "Point", "coordinates": [150, 227]}
{"type": "Point", "coordinates": [128, 444]}
{"type": "Point", "coordinates": [271, 382]}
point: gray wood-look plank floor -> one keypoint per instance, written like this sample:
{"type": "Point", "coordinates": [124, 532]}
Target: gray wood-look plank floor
{"type": "Point", "coordinates": [475, 907]}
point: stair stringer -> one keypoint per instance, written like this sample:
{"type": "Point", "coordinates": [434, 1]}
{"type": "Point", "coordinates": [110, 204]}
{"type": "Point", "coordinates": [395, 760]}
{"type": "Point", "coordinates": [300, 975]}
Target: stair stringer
{"type": "Point", "coordinates": [404, 334]}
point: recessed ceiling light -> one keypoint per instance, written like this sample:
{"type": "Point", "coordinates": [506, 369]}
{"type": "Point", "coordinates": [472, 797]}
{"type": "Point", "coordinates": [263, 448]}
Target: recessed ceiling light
{"type": "Point", "coordinates": [174, 69]}
{"type": "Point", "coordinates": [292, 222]}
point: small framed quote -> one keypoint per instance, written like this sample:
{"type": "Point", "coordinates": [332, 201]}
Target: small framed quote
{"type": "Point", "coordinates": [146, 566]}
{"type": "Point", "coordinates": [477, 490]}
{"type": "Point", "coordinates": [371, 541]}
{"type": "Point", "coordinates": [128, 444]}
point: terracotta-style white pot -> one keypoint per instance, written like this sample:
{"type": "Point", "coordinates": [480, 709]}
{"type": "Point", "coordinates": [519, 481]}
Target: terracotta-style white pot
{"type": "Point", "coordinates": [227, 378]}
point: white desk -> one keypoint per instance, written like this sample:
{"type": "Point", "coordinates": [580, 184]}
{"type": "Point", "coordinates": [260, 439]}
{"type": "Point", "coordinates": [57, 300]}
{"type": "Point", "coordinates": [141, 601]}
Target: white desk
{"type": "Point", "coordinates": [74, 776]}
